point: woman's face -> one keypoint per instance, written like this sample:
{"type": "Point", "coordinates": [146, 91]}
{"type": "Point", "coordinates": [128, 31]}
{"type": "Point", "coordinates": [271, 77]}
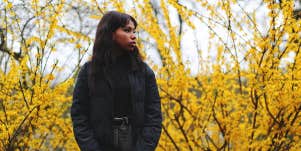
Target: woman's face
{"type": "Point", "coordinates": [125, 37]}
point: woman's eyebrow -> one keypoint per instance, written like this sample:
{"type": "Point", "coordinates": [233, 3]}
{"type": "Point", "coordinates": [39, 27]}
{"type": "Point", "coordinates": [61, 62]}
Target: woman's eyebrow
{"type": "Point", "coordinates": [130, 27]}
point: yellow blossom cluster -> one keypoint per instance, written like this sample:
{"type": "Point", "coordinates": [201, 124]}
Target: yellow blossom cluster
{"type": "Point", "coordinates": [246, 97]}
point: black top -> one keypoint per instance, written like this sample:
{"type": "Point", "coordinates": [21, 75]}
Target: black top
{"type": "Point", "coordinates": [122, 101]}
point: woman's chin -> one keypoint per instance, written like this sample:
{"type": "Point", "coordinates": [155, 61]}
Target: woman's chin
{"type": "Point", "coordinates": [131, 49]}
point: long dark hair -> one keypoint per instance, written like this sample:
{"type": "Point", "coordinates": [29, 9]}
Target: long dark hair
{"type": "Point", "coordinates": [102, 56]}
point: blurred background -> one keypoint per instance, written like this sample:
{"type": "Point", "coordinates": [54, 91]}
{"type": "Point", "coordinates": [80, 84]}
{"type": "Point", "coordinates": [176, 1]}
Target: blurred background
{"type": "Point", "coordinates": [228, 71]}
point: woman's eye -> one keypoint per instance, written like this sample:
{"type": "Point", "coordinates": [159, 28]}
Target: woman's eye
{"type": "Point", "coordinates": [127, 30]}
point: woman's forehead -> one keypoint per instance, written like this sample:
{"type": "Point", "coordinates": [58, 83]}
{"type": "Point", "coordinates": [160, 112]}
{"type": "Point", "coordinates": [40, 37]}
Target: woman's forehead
{"type": "Point", "coordinates": [130, 24]}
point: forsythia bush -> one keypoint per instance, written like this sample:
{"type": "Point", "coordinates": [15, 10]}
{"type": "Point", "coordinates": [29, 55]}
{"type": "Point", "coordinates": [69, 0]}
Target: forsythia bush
{"type": "Point", "coordinates": [246, 97]}
{"type": "Point", "coordinates": [34, 115]}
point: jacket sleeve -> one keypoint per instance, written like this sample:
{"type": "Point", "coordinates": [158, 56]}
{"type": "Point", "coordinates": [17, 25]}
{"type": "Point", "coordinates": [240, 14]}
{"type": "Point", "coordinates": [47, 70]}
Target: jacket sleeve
{"type": "Point", "coordinates": [79, 113]}
{"type": "Point", "coordinates": [151, 131]}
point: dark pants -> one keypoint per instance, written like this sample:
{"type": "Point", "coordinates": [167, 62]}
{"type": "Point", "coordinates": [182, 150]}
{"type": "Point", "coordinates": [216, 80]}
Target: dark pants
{"type": "Point", "coordinates": [122, 137]}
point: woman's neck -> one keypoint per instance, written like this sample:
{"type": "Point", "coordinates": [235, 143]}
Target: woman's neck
{"type": "Point", "coordinates": [118, 51]}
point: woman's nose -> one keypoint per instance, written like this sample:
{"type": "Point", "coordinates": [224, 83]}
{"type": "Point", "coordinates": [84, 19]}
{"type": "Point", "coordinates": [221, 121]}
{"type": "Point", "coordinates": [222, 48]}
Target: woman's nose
{"type": "Point", "coordinates": [133, 36]}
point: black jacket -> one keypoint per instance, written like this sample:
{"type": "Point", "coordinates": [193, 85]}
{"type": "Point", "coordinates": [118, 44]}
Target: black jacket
{"type": "Point", "coordinates": [91, 115]}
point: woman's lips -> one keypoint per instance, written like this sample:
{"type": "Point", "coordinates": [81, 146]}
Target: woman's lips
{"type": "Point", "coordinates": [133, 43]}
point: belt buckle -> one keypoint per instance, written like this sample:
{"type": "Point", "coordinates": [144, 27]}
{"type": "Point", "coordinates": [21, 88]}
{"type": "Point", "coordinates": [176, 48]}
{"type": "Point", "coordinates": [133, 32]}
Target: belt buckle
{"type": "Point", "coordinates": [123, 120]}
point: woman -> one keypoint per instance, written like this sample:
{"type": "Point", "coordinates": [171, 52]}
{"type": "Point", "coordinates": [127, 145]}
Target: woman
{"type": "Point", "coordinates": [116, 104]}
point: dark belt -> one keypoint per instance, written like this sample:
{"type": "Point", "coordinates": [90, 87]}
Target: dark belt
{"type": "Point", "coordinates": [122, 133]}
{"type": "Point", "coordinates": [118, 121]}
